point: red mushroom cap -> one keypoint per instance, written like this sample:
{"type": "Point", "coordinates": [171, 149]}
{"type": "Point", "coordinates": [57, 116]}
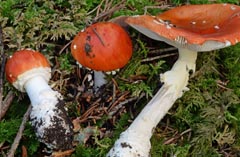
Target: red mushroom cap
{"type": "Point", "coordinates": [22, 61]}
{"type": "Point", "coordinates": [103, 46]}
{"type": "Point", "coordinates": [198, 27]}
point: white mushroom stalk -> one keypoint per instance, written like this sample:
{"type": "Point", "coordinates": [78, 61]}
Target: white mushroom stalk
{"type": "Point", "coordinates": [99, 79]}
{"type": "Point", "coordinates": [135, 141]}
{"type": "Point", "coordinates": [35, 83]}
{"type": "Point", "coordinates": [96, 78]}
{"type": "Point", "coordinates": [48, 116]}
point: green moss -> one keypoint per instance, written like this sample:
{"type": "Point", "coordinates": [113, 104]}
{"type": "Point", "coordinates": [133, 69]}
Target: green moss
{"type": "Point", "coordinates": [8, 130]}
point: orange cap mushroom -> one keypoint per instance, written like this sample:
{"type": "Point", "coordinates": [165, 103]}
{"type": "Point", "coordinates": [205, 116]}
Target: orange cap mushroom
{"type": "Point", "coordinates": [30, 71]}
{"type": "Point", "coordinates": [103, 46]}
{"type": "Point", "coordinates": [196, 27]}
{"type": "Point", "coordinates": [24, 61]}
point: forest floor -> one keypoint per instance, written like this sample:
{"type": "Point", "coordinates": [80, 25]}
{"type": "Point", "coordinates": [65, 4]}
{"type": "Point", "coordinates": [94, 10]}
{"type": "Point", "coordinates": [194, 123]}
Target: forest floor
{"type": "Point", "coordinates": [204, 122]}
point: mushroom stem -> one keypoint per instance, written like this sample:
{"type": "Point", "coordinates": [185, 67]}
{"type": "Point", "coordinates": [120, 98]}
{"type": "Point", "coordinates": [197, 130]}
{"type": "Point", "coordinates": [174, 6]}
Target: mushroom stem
{"type": "Point", "coordinates": [178, 76]}
{"type": "Point", "coordinates": [135, 141]}
{"type": "Point", "coordinates": [38, 90]}
{"type": "Point", "coordinates": [99, 79]}
{"type": "Point", "coordinates": [48, 116]}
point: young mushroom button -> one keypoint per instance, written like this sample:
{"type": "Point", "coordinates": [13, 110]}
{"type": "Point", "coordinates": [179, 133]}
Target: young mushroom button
{"type": "Point", "coordinates": [190, 28]}
{"type": "Point", "coordinates": [103, 46]}
{"type": "Point", "coordinates": [29, 71]}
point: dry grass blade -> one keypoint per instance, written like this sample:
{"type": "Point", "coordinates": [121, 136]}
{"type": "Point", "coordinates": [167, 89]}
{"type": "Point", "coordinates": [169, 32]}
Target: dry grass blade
{"type": "Point", "coordinates": [177, 136]}
{"type": "Point", "coordinates": [105, 9]}
{"type": "Point", "coordinates": [150, 59]}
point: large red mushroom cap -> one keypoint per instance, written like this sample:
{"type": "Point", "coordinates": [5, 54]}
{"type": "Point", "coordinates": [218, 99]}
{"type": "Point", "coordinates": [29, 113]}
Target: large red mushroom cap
{"type": "Point", "coordinates": [23, 65]}
{"type": "Point", "coordinates": [103, 46]}
{"type": "Point", "coordinates": [197, 27]}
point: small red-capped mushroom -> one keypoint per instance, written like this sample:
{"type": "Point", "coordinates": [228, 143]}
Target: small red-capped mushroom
{"type": "Point", "coordinates": [190, 28]}
{"type": "Point", "coordinates": [103, 46]}
{"type": "Point", "coordinates": [29, 71]}
{"type": "Point", "coordinates": [15, 69]}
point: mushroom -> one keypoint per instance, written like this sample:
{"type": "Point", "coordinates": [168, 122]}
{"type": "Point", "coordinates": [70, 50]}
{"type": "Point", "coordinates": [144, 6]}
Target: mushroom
{"type": "Point", "coordinates": [29, 71]}
{"type": "Point", "coordinates": [190, 28]}
{"type": "Point", "coordinates": [102, 47]}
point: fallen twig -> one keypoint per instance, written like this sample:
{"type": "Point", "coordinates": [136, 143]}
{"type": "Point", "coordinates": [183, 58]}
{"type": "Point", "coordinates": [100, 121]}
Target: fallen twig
{"type": "Point", "coordinates": [115, 87]}
{"type": "Point", "coordinates": [89, 111]}
{"type": "Point", "coordinates": [64, 47]}
{"type": "Point", "coordinates": [121, 98]}
{"type": "Point", "coordinates": [150, 59]}
{"type": "Point", "coordinates": [20, 132]}
{"type": "Point", "coordinates": [6, 103]}
{"type": "Point", "coordinates": [2, 69]}
{"type": "Point", "coordinates": [162, 50]}
{"type": "Point", "coordinates": [62, 154]}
